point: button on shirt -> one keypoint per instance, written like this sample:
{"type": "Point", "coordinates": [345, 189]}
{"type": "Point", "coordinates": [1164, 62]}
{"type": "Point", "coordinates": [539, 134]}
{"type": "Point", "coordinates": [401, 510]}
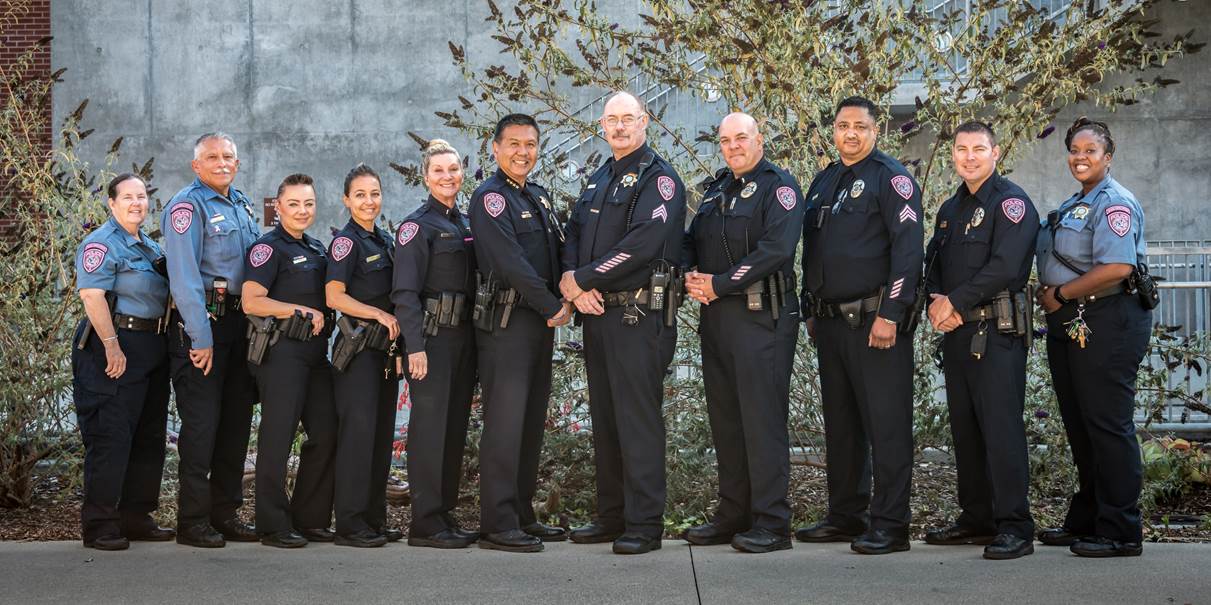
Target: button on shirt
{"type": "Point", "coordinates": [292, 270]}
{"type": "Point", "coordinates": [986, 243]}
{"type": "Point", "coordinates": [613, 249]}
{"type": "Point", "coordinates": [1102, 227]}
{"type": "Point", "coordinates": [434, 253]}
{"type": "Point", "coordinates": [362, 260]}
{"type": "Point", "coordinates": [112, 259]}
{"type": "Point", "coordinates": [746, 228]}
{"type": "Point", "coordinates": [205, 237]}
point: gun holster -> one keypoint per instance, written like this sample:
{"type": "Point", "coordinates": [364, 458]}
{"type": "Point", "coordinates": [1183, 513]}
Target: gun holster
{"type": "Point", "coordinates": [297, 326]}
{"type": "Point", "coordinates": [350, 342]}
{"type": "Point", "coordinates": [262, 334]}
{"type": "Point", "coordinates": [484, 308]}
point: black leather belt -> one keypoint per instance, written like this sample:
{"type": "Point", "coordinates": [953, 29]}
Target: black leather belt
{"type": "Point", "coordinates": [626, 297]}
{"type": "Point", "coordinates": [139, 324]}
{"type": "Point", "coordinates": [980, 313]}
{"type": "Point", "coordinates": [1108, 292]}
{"type": "Point", "coordinates": [827, 309]}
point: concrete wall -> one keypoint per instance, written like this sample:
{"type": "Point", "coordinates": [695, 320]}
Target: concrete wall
{"type": "Point", "coordinates": [319, 85]}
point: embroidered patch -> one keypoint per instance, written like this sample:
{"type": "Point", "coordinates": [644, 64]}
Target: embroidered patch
{"type": "Point", "coordinates": [896, 286]}
{"type": "Point", "coordinates": [908, 214]}
{"type": "Point", "coordinates": [408, 230]}
{"type": "Point", "coordinates": [1014, 209]}
{"type": "Point", "coordinates": [92, 256]}
{"type": "Point", "coordinates": [902, 185]}
{"type": "Point", "coordinates": [616, 260]}
{"type": "Point", "coordinates": [661, 213]}
{"type": "Point", "coordinates": [181, 217]}
{"type": "Point", "coordinates": [666, 186]}
{"type": "Point", "coordinates": [494, 203]}
{"type": "Point", "coordinates": [741, 272]}
{"type": "Point", "coordinates": [786, 197]}
{"type": "Point", "coordinates": [1119, 219]}
{"type": "Point", "coordinates": [260, 254]}
{"type": "Point", "coordinates": [341, 247]}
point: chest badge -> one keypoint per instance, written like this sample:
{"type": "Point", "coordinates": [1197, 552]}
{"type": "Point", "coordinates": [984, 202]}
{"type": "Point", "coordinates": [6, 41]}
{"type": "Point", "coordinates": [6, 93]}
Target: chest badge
{"type": "Point", "coordinates": [1079, 212]}
{"type": "Point", "coordinates": [977, 218]}
{"type": "Point", "coordinates": [299, 259]}
{"type": "Point", "coordinates": [857, 188]}
{"type": "Point", "coordinates": [629, 179]}
{"type": "Point", "coordinates": [748, 190]}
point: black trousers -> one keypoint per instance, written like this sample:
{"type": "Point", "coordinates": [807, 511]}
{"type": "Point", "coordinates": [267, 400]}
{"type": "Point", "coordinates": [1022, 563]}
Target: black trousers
{"type": "Point", "coordinates": [123, 425]}
{"type": "Point", "coordinates": [746, 369]}
{"type": "Point", "coordinates": [365, 411]}
{"type": "Point", "coordinates": [986, 397]}
{"type": "Point", "coordinates": [515, 379]}
{"type": "Point", "coordinates": [216, 418]}
{"type": "Point", "coordinates": [867, 404]}
{"type": "Point", "coordinates": [626, 367]}
{"type": "Point", "coordinates": [295, 383]}
{"type": "Point", "coordinates": [1095, 387]}
{"type": "Point", "coordinates": [437, 427]}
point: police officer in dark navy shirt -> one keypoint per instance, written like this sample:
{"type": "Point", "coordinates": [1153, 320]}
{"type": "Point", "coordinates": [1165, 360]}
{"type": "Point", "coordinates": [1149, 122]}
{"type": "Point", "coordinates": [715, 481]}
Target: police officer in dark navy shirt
{"type": "Point", "coordinates": [742, 242]}
{"type": "Point", "coordinates": [624, 234]}
{"type": "Point", "coordinates": [433, 293]}
{"type": "Point", "coordinates": [517, 245]}
{"type": "Point", "coordinates": [862, 252]}
{"type": "Point", "coordinates": [365, 383]}
{"type": "Point", "coordinates": [284, 280]}
{"type": "Point", "coordinates": [120, 373]}
{"type": "Point", "coordinates": [207, 227]}
{"type": "Point", "coordinates": [979, 261]}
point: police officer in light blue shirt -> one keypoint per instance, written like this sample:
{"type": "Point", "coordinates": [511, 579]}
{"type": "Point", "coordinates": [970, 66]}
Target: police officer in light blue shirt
{"type": "Point", "coordinates": [207, 227]}
{"type": "Point", "coordinates": [120, 373]}
{"type": "Point", "coordinates": [1097, 334]}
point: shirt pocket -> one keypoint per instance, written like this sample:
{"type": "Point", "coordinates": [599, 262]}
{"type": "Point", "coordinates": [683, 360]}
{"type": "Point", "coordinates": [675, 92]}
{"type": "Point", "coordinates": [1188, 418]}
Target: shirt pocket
{"type": "Point", "coordinates": [977, 246]}
{"type": "Point", "coordinates": [222, 241]}
{"type": "Point", "coordinates": [738, 227]}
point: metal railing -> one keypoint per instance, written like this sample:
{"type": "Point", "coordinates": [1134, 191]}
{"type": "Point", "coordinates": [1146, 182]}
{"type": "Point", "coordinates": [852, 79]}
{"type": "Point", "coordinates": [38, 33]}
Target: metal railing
{"type": "Point", "coordinates": [1184, 268]}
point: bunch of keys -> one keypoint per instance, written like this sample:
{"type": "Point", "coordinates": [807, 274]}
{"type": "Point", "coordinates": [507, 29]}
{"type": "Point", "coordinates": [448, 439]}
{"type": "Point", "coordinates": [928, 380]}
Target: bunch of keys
{"type": "Point", "coordinates": [1078, 330]}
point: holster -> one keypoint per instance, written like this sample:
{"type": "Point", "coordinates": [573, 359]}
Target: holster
{"type": "Point", "coordinates": [297, 326]}
{"type": "Point", "coordinates": [216, 298]}
{"type": "Point", "coordinates": [508, 298]}
{"type": "Point", "coordinates": [675, 296]}
{"type": "Point", "coordinates": [262, 334]}
{"type": "Point", "coordinates": [484, 308]}
{"type": "Point", "coordinates": [352, 341]}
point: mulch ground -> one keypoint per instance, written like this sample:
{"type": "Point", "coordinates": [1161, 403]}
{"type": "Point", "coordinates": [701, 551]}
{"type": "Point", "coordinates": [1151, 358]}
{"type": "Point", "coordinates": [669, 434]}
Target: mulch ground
{"type": "Point", "coordinates": [55, 513]}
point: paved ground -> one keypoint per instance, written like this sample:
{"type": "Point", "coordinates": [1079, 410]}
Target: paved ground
{"type": "Point", "coordinates": [58, 572]}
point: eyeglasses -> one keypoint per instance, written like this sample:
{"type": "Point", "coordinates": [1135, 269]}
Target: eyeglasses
{"type": "Point", "coordinates": [627, 120]}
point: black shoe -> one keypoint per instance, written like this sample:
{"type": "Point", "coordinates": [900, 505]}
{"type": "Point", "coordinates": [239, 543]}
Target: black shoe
{"type": "Point", "coordinates": [635, 544]}
{"type": "Point", "coordinates": [108, 543]}
{"type": "Point", "coordinates": [1058, 536]}
{"type": "Point", "coordinates": [513, 540]}
{"type": "Point", "coordinates": [1008, 546]}
{"type": "Point", "coordinates": [957, 534]}
{"type": "Point", "coordinates": [709, 533]}
{"type": "Point", "coordinates": [201, 535]}
{"type": "Point", "coordinates": [880, 542]}
{"type": "Point", "coordinates": [1098, 546]}
{"type": "Point", "coordinates": [149, 532]}
{"type": "Point", "coordinates": [446, 538]}
{"type": "Point", "coordinates": [284, 539]}
{"type": "Point", "coordinates": [760, 540]}
{"type": "Point", "coordinates": [594, 533]}
{"type": "Point", "coordinates": [318, 534]}
{"type": "Point", "coordinates": [458, 529]}
{"type": "Point", "coordinates": [366, 538]}
{"type": "Point", "coordinates": [237, 531]}
{"type": "Point", "coordinates": [391, 534]}
{"type": "Point", "coordinates": [825, 532]}
{"type": "Point", "coordinates": [546, 533]}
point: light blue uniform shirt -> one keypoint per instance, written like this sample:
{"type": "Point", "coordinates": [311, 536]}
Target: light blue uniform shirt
{"type": "Point", "coordinates": [205, 237]}
{"type": "Point", "coordinates": [113, 260]}
{"type": "Point", "coordinates": [1106, 226]}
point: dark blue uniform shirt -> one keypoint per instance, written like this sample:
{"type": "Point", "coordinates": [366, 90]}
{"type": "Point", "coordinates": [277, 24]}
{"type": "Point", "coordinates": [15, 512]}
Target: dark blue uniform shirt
{"type": "Point", "coordinates": [292, 270]}
{"type": "Point", "coordinates": [362, 261]}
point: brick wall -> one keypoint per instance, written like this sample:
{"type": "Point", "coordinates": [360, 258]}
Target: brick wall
{"type": "Point", "coordinates": [15, 40]}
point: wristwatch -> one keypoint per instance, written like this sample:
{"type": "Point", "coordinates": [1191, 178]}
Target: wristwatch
{"type": "Point", "coordinates": [1060, 297]}
{"type": "Point", "coordinates": [887, 320]}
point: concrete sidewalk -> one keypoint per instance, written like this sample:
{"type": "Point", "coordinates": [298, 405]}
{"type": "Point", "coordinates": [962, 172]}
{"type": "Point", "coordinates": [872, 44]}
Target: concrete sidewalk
{"type": "Point", "coordinates": [59, 572]}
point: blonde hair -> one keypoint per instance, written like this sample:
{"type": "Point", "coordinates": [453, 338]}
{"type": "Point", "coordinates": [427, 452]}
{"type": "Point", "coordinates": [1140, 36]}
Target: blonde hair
{"type": "Point", "coordinates": [433, 148]}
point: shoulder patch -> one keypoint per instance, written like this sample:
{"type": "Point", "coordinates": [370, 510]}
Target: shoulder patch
{"type": "Point", "coordinates": [92, 256]}
{"type": "Point", "coordinates": [666, 186]}
{"type": "Point", "coordinates": [408, 231]}
{"type": "Point", "coordinates": [181, 217]}
{"type": "Point", "coordinates": [341, 247]}
{"type": "Point", "coordinates": [260, 254]}
{"type": "Point", "coordinates": [494, 203]}
{"type": "Point", "coordinates": [902, 185]}
{"type": "Point", "coordinates": [1014, 209]}
{"type": "Point", "coordinates": [1118, 217]}
{"type": "Point", "coordinates": [786, 197]}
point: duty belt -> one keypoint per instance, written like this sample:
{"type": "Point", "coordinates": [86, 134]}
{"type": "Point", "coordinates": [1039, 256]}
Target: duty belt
{"type": "Point", "coordinates": [1106, 293]}
{"type": "Point", "coordinates": [139, 324]}
{"type": "Point", "coordinates": [826, 309]}
{"type": "Point", "coordinates": [626, 297]}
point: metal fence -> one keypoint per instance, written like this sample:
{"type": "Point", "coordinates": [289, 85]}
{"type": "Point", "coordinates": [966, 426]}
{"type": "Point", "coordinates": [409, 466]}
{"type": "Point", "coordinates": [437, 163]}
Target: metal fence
{"type": "Point", "coordinates": [1185, 288]}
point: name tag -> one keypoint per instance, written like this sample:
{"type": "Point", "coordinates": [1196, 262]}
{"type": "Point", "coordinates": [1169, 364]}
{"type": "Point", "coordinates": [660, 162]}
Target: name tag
{"type": "Point", "coordinates": [449, 235]}
{"type": "Point", "coordinates": [594, 210]}
{"type": "Point", "coordinates": [218, 218]}
{"type": "Point", "coordinates": [371, 259]}
{"type": "Point", "coordinates": [300, 259]}
{"type": "Point", "coordinates": [525, 214]}
{"type": "Point", "coordinates": [591, 186]}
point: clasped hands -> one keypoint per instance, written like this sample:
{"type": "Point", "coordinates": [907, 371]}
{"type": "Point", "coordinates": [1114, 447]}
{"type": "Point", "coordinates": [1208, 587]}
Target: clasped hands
{"type": "Point", "coordinates": [942, 315]}
{"type": "Point", "coordinates": [588, 302]}
{"type": "Point", "coordinates": [700, 287]}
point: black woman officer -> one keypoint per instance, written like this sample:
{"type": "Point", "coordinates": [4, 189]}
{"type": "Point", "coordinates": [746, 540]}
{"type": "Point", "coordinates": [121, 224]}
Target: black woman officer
{"type": "Point", "coordinates": [1097, 334]}
{"type": "Point", "coordinates": [365, 382]}
{"type": "Point", "coordinates": [120, 373]}
{"type": "Point", "coordinates": [288, 352]}
{"type": "Point", "coordinates": [433, 291]}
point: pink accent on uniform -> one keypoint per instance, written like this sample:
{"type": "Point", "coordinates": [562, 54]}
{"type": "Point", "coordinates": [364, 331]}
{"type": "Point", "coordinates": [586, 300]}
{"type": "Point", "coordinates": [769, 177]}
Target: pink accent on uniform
{"type": "Point", "coordinates": [260, 254]}
{"type": "Point", "coordinates": [1014, 209]}
{"type": "Point", "coordinates": [1119, 219]}
{"type": "Point", "coordinates": [786, 197]}
{"type": "Point", "coordinates": [666, 186]}
{"type": "Point", "coordinates": [494, 203]}
{"type": "Point", "coordinates": [902, 185]}
{"type": "Point", "coordinates": [341, 247]}
{"type": "Point", "coordinates": [92, 256]}
{"type": "Point", "coordinates": [181, 217]}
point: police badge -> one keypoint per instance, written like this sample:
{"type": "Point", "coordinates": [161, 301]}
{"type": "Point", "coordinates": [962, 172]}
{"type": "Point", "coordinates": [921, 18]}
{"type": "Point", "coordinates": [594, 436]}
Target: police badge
{"type": "Point", "coordinates": [857, 188]}
{"type": "Point", "coordinates": [748, 190]}
{"type": "Point", "coordinates": [977, 217]}
{"type": "Point", "coordinates": [629, 179]}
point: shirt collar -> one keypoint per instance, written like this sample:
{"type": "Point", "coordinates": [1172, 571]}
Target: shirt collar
{"type": "Point", "coordinates": [284, 234]}
{"type": "Point", "coordinates": [451, 211]}
{"type": "Point", "coordinates": [1089, 197]}
{"type": "Point", "coordinates": [123, 233]}
{"type": "Point", "coordinates": [761, 166]}
{"type": "Point", "coordinates": [628, 162]}
{"type": "Point", "coordinates": [502, 175]}
{"type": "Point", "coordinates": [232, 193]}
{"type": "Point", "coordinates": [985, 191]}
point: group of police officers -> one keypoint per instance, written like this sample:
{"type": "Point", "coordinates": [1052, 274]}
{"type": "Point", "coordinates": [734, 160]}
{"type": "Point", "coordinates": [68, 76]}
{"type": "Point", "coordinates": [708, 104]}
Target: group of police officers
{"type": "Point", "coordinates": [453, 299]}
